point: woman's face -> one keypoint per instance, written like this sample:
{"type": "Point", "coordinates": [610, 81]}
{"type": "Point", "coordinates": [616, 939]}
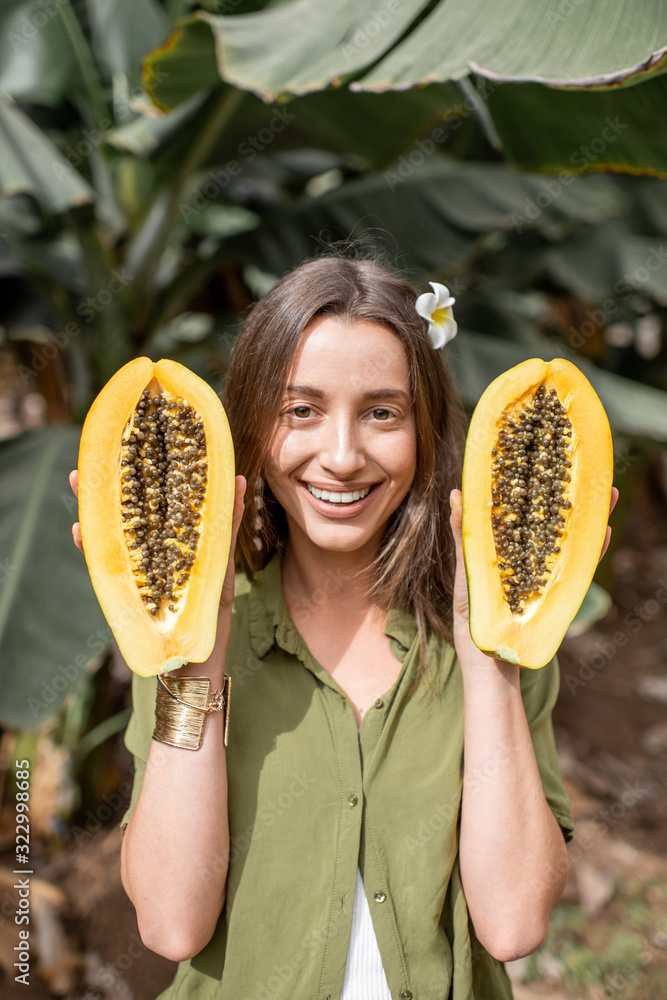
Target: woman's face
{"type": "Point", "coordinates": [344, 450]}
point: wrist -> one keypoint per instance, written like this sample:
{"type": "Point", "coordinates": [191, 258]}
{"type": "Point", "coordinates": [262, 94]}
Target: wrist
{"type": "Point", "coordinates": [214, 666]}
{"type": "Point", "coordinates": [476, 664]}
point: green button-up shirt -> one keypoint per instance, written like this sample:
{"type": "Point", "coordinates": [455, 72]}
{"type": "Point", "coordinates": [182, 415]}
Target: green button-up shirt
{"type": "Point", "coordinates": [311, 797]}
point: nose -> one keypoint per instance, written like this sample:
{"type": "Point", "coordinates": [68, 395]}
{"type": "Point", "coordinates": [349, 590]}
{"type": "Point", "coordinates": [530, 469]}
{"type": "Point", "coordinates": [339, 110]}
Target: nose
{"type": "Point", "coordinates": [341, 451]}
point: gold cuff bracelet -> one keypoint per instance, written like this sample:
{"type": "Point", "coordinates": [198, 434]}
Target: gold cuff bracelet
{"type": "Point", "coordinates": [180, 723]}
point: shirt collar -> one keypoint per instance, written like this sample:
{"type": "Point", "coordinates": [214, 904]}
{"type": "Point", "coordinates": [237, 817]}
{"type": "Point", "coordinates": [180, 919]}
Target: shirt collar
{"type": "Point", "coordinates": [270, 623]}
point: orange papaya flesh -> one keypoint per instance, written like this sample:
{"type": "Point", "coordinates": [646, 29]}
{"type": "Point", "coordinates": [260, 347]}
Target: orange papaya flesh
{"type": "Point", "coordinates": [156, 496]}
{"type": "Point", "coordinates": [537, 480]}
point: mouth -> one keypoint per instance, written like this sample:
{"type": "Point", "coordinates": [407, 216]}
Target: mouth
{"type": "Point", "coordinates": [338, 496]}
{"type": "Point", "coordinates": [338, 504]}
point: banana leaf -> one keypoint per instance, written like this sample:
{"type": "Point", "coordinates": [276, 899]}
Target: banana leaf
{"type": "Point", "coordinates": [563, 87]}
{"type": "Point", "coordinates": [51, 628]}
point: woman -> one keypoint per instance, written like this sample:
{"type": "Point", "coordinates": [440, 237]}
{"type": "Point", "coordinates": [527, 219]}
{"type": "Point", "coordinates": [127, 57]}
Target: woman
{"type": "Point", "coordinates": [338, 847]}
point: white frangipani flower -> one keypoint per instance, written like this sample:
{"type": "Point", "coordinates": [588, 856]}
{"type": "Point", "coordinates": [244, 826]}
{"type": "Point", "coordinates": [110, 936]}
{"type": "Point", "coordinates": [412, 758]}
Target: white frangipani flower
{"type": "Point", "coordinates": [436, 307]}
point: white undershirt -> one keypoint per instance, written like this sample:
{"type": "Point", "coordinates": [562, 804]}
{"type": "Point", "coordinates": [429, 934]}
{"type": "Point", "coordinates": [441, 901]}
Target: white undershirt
{"type": "Point", "coordinates": [364, 973]}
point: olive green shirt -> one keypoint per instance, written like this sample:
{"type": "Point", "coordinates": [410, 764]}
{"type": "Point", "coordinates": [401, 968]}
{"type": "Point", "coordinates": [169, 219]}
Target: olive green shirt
{"type": "Point", "coordinates": [311, 797]}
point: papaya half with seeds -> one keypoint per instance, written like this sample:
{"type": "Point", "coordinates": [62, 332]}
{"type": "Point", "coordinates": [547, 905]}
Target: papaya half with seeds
{"type": "Point", "coordinates": [537, 480]}
{"type": "Point", "coordinates": [156, 497]}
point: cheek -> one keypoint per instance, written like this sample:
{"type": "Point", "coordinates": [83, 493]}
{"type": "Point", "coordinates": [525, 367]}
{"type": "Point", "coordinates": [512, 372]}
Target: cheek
{"type": "Point", "coordinates": [400, 455]}
{"type": "Point", "coordinates": [286, 451]}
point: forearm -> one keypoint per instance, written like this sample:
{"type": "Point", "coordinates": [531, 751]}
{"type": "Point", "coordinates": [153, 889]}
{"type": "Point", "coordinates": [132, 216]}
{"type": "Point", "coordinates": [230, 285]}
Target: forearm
{"type": "Point", "coordinates": [512, 852]}
{"type": "Point", "coordinates": [175, 848]}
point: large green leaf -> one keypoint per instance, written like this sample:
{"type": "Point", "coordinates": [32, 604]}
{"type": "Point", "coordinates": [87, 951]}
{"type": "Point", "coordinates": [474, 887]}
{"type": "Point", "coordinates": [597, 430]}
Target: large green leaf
{"type": "Point", "coordinates": [521, 50]}
{"type": "Point", "coordinates": [51, 625]}
{"type": "Point", "coordinates": [433, 216]}
{"type": "Point", "coordinates": [594, 607]}
{"type": "Point", "coordinates": [30, 163]}
{"type": "Point", "coordinates": [36, 61]}
{"type": "Point", "coordinates": [599, 43]}
{"type": "Point", "coordinates": [147, 135]}
{"type": "Point", "coordinates": [622, 130]}
{"type": "Point", "coordinates": [123, 33]}
{"type": "Point", "coordinates": [632, 408]}
{"type": "Point", "coordinates": [292, 48]}
{"type": "Point", "coordinates": [182, 66]}
{"type": "Point", "coordinates": [607, 262]}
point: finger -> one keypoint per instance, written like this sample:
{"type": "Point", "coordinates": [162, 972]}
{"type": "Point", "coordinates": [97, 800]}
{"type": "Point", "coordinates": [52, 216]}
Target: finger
{"type": "Point", "coordinates": [456, 517]}
{"type": "Point", "coordinates": [239, 505]}
{"type": "Point", "coordinates": [614, 498]}
{"type": "Point", "coordinates": [74, 482]}
{"type": "Point", "coordinates": [76, 535]}
{"type": "Point", "coordinates": [605, 544]}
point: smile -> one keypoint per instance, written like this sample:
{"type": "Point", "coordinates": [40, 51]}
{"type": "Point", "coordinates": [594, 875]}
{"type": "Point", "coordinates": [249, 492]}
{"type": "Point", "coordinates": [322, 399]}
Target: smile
{"type": "Point", "coordinates": [338, 497]}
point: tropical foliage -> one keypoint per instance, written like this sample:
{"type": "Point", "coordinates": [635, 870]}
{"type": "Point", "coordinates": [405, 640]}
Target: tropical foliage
{"type": "Point", "coordinates": [160, 166]}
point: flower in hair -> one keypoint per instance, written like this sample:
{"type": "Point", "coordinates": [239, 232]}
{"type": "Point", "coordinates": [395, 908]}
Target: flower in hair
{"type": "Point", "coordinates": [436, 308]}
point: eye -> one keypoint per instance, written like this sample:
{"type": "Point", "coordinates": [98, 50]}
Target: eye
{"type": "Point", "coordinates": [301, 411]}
{"type": "Point", "coordinates": [381, 414]}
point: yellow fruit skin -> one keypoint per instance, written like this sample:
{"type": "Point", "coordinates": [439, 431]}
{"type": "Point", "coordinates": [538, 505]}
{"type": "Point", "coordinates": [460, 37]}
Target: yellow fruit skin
{"type": "Point", "coordinates": [533, 638]}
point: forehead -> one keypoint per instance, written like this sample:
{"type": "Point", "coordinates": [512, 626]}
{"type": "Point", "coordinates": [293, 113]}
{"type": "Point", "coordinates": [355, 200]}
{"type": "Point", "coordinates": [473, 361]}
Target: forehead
{"type": "Point", "coordinates": [354, 353]}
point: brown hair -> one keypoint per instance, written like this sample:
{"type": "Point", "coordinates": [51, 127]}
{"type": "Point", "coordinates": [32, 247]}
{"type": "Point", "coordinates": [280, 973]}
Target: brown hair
{"type": "Point", "coordinates": [414, 568]}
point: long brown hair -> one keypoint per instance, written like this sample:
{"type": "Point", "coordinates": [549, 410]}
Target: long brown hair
{"type": "Point", "coordinates": [414, 567]}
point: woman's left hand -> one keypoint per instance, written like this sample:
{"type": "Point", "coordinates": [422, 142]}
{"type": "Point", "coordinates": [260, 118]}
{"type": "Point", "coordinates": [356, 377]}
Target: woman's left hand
{"type": "Point", "coordinates": [461, 626]}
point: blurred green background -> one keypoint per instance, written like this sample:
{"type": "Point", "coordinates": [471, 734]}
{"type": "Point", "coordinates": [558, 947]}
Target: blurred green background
{"type": "Point", "coordinates": [162, 164]}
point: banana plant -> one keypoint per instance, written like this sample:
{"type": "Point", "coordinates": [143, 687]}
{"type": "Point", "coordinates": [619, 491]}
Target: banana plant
{"type": "Point", "coordinates": [159, 165]}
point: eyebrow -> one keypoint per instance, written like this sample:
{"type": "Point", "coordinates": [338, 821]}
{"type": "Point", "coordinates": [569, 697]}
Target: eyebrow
{"type": "Point", "coordinates": [309, 390]}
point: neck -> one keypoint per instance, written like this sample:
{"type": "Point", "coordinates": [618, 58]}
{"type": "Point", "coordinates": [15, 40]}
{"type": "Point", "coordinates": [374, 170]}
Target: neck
{"type": "Point", "coordinates": [324, 578]}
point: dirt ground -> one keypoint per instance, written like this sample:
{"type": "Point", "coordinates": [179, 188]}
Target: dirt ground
{"type": "Point", "coordinates": [611, 716]}
{"type": "Point", "coordinates": [608, 935]}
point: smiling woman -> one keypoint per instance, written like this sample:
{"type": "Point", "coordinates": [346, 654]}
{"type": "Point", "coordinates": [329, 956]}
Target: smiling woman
{"type": "Point", "coordinates": [338, 356]}
{"type": "Point", "coordinates": [338, 848]}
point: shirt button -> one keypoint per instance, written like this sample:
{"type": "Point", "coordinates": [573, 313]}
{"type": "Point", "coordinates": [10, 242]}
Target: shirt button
{"type": "Point", "coordinates": [379, 703]}
{"type": "Point", "coordinates": [352, 799]}
{"type": "Point", "coordinates": [405, 995]}
{"type": "Point", "coordinates": [380, 896]}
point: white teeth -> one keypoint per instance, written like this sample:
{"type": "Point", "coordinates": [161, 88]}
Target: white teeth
{"type": "Point", "coordinates": [338, 497]}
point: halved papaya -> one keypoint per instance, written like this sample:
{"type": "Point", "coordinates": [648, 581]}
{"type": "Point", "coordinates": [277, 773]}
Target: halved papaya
{"type": "Point", "coordinates": [156, 496]}
{"type": "Point", "coordinates": [537, 480]}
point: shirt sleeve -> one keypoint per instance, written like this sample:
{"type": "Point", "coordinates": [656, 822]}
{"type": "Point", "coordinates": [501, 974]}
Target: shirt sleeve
{"type": "Point", "coordinates": [139, 734]}
{"type": "Point", "coordinates": [539, 690]}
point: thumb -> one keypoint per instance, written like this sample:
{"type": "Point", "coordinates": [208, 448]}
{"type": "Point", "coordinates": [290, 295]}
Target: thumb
{"type": "Point", "coordinates": [456, 520]}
